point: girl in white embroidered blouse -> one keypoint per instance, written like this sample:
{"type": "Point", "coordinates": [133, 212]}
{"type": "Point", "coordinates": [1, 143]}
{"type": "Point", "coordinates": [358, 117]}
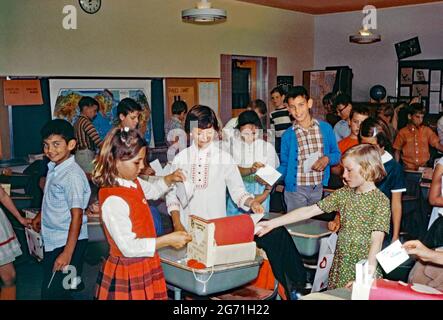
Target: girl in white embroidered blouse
{"type": "Point", "coordinates": [212, 171]}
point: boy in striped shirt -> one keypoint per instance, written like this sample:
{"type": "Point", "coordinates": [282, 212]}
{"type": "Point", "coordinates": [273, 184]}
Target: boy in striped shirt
{"type": "Point", "coordinates": [88, 139]}
{"type": "Point", "coordinates": [279, 118]}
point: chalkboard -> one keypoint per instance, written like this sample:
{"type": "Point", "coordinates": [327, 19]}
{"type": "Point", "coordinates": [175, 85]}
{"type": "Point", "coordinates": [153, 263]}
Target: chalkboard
{"type": "Point", "coordinates": [27, 122]}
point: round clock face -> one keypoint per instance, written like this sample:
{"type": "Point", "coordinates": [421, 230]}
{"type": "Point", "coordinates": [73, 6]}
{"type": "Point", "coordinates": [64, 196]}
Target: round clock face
{"type": "Point", "coordinates": [90, 6]}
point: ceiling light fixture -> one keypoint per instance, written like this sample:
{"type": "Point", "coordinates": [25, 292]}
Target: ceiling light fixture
{"type": "Point", "coordinates": [365, 36]}
{"type": "Point", "coordinates": [204, 13]}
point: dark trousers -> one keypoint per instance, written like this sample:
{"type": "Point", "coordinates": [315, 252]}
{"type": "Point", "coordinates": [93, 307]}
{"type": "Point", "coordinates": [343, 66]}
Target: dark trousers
{"type": "Point", "coordinates": [284, 258]}
{"type": "Point", "coordinates": [56, 290]}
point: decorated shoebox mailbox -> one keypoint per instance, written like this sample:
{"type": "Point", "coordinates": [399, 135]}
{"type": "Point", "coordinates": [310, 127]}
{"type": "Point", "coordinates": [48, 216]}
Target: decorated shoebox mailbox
{"type": "Point", "coordinates": [221, 241]}
{"type": "Point", "coordinates": [365, 287]}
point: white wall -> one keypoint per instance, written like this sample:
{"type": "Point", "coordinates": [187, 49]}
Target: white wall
{"type": "Point", "coordinates": [147, 38]}
{"type": "Point", "coordinates": [377, 63]}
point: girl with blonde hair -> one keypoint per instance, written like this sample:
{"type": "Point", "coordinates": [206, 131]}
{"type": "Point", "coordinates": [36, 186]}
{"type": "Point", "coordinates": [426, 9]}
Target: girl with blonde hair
{"type": "Point", "coordinates": [364, 210]}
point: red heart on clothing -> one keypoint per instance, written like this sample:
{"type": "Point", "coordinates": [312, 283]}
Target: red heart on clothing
{"type": "Point", "coordinates": [323, 263]}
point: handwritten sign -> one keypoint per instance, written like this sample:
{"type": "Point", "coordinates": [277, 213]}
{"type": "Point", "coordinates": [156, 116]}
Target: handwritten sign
{"type": "Point", "coordinates": [22, 92]}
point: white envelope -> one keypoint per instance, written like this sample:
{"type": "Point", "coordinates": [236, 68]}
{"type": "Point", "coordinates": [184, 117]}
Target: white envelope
{"type": "Point", "coordinates": [309, 162]}
{"type": "Point", "coordinates": [157, 167]}
{"type": "Point", "coordinates": [35, 243]}
{"type": "Point", "coordinates": [185, 191]}
{"type": "Point", "coordinates": [392, 256]}
{"type": "Point", "coordinates": [268, 174]}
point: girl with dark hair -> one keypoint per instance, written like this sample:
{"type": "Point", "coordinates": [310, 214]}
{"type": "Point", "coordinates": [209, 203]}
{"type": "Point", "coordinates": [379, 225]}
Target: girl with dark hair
{"type": "Point", "coordinates": [250, 153]}
{"type": "Point", "coordinates": [259, 106]}
{"type": "Point", "coordinates": [213, 171]}
{"type": "Point", "coordinates": [132, 270]}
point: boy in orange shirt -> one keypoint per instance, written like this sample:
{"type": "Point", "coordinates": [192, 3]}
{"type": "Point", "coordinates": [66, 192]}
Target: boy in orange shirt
{"type": "Point", "coordinates": [412, 142]}
{"type": "Point", "coordinates": [358, 115]}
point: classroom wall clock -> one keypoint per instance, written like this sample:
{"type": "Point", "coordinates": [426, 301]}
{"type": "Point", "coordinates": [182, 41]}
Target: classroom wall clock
{"type": "Point", "coordinates": [90, 6]}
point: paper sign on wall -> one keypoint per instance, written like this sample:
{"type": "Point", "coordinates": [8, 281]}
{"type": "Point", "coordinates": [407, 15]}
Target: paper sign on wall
{"type": "Point", "coordinates": [22, 92]}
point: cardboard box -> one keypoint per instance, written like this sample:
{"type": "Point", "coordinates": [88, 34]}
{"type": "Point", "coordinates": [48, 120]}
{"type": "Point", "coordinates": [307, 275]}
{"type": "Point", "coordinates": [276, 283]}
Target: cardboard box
{"type": "Point", "coordinates": [204, 247]}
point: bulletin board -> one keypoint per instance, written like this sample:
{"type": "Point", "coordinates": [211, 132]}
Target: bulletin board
{"type": "Point", "coordinates": [192, 91]}
{"type": "Point", "coordinates": [423, 78]}
{"type": "Point", "coordinates": [319, 83]}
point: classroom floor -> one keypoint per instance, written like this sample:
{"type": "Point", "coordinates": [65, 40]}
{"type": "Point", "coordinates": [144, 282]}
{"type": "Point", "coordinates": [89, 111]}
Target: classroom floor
{"type": "Point", "coordinates": [29, 274]}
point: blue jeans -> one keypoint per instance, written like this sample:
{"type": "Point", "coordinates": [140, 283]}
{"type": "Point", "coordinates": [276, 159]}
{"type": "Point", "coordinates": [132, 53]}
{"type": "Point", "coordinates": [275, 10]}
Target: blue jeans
{"type": "Point", "coordinates": [303, 197]}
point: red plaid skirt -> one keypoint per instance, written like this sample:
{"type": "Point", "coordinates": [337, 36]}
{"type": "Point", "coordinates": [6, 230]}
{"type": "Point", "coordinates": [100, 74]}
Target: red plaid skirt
{"type": "Point", "coordinates": [123, 278]}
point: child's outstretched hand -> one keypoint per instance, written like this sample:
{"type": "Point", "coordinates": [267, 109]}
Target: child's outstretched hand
{"type": "Point", "coordinates": [256, 207]}
{"type": "Point", "coordinates": [178, 239]}
{"type": "Point", "coordinates": [264, 227]}
{"type": "Point", "coordinates": [176, 176]}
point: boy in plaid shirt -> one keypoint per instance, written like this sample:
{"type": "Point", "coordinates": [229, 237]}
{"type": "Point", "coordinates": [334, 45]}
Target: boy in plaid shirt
{"type": "Point", "coordinates": [308, 150]}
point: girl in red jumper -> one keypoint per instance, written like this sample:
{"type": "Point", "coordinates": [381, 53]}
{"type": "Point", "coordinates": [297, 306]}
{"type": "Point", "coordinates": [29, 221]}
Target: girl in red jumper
{"type": "Point", "coordinates": [132, 270]}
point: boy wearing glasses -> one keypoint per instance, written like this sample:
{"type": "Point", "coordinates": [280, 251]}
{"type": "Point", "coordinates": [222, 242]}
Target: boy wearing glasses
{"type": "Point", "coordinates": [344, 108]}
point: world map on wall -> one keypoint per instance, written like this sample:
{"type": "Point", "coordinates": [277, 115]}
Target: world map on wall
{"type": "Point", "coordinates": [66, 107]}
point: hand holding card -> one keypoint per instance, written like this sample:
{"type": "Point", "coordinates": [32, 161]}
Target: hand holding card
{"type": "Point", "coordinates": [392, 256]}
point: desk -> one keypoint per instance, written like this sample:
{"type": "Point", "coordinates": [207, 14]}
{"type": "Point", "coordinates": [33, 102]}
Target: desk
{"type": "Point", "coordinates": [336, 294]}
{"type": "Point", "coordinates": [305, 234]}
{"type": "Point", "coordinates": [208, 281]}
{"type": "Point", "coordinates": [16, 180]}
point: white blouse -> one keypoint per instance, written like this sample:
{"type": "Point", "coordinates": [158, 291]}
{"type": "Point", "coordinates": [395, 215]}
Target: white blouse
{"type": "Point", "coordinates": [115, 216]}
{"type": "Point", "coordinates": [212, 170]}
{"type": "Point", "coordinates": [245, 154]}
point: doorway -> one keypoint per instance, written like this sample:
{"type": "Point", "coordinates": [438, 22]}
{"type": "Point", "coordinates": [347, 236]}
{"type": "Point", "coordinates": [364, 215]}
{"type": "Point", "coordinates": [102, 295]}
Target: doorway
{"type": "Point", "coordinates": [243, 79]}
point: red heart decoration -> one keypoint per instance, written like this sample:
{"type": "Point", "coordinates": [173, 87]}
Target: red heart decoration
{"type": "Point", "coordinates": [323, 263]}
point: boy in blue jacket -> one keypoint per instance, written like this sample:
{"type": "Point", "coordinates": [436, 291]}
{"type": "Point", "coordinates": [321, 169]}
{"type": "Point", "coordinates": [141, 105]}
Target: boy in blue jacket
{"type": "Point", "coordinates": [308, 150]}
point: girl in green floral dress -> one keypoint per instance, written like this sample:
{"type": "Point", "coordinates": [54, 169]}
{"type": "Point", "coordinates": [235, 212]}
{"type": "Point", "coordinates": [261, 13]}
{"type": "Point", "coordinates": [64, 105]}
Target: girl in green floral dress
{"type": "Point", "coordinates": [364, 212]}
